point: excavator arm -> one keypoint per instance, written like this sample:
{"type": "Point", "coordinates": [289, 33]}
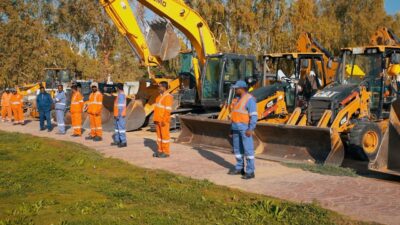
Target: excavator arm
{"type": "Point", "coordinates": [188, 21]}
{"type": "Point", "coordinates": [384, 36]}
{"type": "Point", "coordinates": [122, 15]}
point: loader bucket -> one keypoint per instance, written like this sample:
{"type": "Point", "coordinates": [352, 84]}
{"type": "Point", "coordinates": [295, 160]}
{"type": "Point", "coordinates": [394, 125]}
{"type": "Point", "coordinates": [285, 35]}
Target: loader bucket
{"type": "Point", "coordinates": [388, 156]}
{"type": "Point", "coordinates": [163, 41]}
{"type": "Point", "coordinates": [135, 115]}
{"type": "Point", "coordinates": [200, 131]}
{"type": "Point", "coordinates": [300, 144]}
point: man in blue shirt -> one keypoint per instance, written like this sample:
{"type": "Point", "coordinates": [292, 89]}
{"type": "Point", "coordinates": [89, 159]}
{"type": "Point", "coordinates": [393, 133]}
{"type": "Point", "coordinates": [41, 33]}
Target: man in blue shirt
{"type": "Point", "coordinates": [60, 101]}
{"type": "Point", "coordinates": [244, 118]}
{"type": "Point", "coordinates": [43, 104]}
{"type": "Point", "coordinates": [119, 116]}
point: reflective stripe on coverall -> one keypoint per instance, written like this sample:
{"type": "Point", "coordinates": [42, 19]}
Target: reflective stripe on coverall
{"type": "Point", "coordinates": [119, 116]}
{"type": "Point", "coordinates": [6, 113]}
{"type": "Point", "coordinates": [17, 108]}
{"type": "Point", "coordinates": [60, 102]}
{"type": "Point", "coordinates": [244, 117]}
{"type": "Point", "coordinates": [95, 105]}
{"type": "Point", "coordinates": [162, 114]}
{"type": "Point", "coordinates": [76, 112]}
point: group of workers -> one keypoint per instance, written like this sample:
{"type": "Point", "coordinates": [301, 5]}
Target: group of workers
{"type": "Point", "coordinates": [93, 107]}
{"type": "Point", "coordinates": [243, 118]}
{"type": "Point", "coordinates": [12, 107]}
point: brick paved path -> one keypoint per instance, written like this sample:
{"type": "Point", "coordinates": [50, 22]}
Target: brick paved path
{"type": "Point", "coordinates": [360, 198]}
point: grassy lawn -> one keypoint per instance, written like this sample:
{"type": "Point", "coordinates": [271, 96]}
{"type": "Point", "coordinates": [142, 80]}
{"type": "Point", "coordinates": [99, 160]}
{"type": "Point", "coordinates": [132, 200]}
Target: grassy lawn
{"type": "Point", "coordinates": [43, 181]}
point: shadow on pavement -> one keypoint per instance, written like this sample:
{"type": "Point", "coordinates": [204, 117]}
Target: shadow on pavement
{"type": "Point", "coordinates": [214, 157]}
{"type": "Point", "coordinates": [150, 143]}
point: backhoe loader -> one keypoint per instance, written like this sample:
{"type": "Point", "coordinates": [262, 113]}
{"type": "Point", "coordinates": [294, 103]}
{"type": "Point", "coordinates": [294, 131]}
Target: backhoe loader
{"type": "Point", "coordinates": [197, 89]}
{"type": "Point", "coordinates": [352, 113]}
{"type": "Point", "coordinates": [290, 79]}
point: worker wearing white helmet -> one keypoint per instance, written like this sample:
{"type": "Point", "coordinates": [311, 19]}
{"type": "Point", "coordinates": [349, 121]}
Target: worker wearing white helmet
{"type": "Point", "coordinates": [94, 108]}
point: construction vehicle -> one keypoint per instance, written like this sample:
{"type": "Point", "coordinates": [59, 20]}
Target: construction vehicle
{"type": "Point", "coordinates": [290, 79]}
{"type": "Point", "coordinates": [352, 113]}
{"type": "Point", "coordinates": [197, 89]}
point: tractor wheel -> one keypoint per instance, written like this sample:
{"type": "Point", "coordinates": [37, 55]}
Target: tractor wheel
{"type": "Point", "coordinates": [365, 138]}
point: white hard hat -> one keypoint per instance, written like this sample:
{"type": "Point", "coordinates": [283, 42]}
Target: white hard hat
{"type": "Point", "coordinates": [95, 84]}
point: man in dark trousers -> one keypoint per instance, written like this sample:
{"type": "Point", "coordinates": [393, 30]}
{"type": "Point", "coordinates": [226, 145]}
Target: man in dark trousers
{"type": "Point", "coordinates": [43, 103]}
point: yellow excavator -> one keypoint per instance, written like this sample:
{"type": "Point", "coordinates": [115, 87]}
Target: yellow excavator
{"type": "Point", "coordinates": [290, 79]}
{"type": "Point", "coordinates": [358, 113]}
{"type": "Point", "coordinates": [201, 90]}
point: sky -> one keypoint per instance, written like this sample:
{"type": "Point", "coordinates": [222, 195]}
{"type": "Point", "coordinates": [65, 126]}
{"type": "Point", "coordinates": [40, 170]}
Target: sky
{"type": "Point", "coordinates": [392, 6]}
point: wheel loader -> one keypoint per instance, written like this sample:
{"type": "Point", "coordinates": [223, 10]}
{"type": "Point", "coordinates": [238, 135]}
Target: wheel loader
{"type": "Point", "coordinates": [358, 113]}
{"type": "Point", "coordinates": [291, 79]}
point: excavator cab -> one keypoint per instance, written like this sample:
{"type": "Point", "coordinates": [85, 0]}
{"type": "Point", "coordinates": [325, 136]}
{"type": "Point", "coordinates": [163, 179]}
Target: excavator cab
{"type": "Point", "coordinates": [220, 72]}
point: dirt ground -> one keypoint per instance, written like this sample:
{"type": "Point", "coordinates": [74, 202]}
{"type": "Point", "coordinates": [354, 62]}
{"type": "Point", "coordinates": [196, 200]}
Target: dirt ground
{"type": "Point", "coordinates": [362, 198]}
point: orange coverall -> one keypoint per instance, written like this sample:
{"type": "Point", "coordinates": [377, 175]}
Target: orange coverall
{"type": "Point", "coordinates": [76, 112]}
{"type": "Point", "coordinates": [95, 105]}
{"type": "Point", "coordinates": [162, 116]}
{"type": "Point", "coordinates": [6, 113]}
{"type": "Point", "coordinates": [16, 106]}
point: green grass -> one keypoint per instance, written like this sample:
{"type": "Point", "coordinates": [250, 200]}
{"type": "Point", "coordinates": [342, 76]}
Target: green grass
{"type": "Point", "coordinates": [43, 181]}
{"type": "Point", "coordinates": [324, 169]}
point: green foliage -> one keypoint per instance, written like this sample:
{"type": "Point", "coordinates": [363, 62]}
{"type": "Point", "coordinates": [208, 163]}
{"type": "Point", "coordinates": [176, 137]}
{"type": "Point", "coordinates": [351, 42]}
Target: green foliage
{"type": "Point", "coordinates": [43, 181]}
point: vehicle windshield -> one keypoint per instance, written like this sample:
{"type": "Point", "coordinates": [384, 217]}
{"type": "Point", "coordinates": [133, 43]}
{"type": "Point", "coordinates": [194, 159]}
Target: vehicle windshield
{"type": "Point", "coordinates": [357, 67]}
{"type": "Point", "coordinates": [212, 77]}
{"type": "Point", "coordinates": [278, 68]}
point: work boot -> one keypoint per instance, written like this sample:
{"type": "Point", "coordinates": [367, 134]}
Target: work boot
{"type": "Point", "coordinates": [122, 145]}
{"type": "Point", "coordinates": [75, 135]}
{"type": "Point", "coordinates": [163, 155]}
{"type": "Point", "coordinates": [97, 138]}
{"type": "Point", "coordinates": [114, 144]}
{"type": "Point", "coordinates": [248, 176]}
{"type": "Point", "coordinates": [89, 138]}
{"type": "Point", "coordinates": [42, 129]}
{"type": "Point", "coordinates": [156, 154]}
{"type": "Point", "coordinates": [237, 172]}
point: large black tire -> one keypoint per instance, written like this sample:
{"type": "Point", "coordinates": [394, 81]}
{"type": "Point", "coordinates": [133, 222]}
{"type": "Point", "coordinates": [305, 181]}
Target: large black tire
{"type": "Point", "coordinates": [365, 139]}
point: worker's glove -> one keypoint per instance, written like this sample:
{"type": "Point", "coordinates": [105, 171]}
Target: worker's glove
{"type": "Point", "coordinates": [249, 133]}
{"type": "Point", "coordinates": [163, 124]}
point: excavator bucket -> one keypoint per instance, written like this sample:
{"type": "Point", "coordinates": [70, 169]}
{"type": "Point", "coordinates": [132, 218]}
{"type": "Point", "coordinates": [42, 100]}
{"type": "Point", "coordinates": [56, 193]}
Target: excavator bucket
{"type": "Point", "coordinates": [162, 40]}
{"type": "Point", "coordinates": [135, 115]}
{"type": "Point", "coordinates": [388, 157]}
{"type": "Point", "coordinates": [200, 131]}
{"type": "Point", "coordinates": [300, 144]}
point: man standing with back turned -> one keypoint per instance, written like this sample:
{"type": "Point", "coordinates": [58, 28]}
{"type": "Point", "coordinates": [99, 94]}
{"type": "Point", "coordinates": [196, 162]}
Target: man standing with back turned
{"type": "Point", "coordinates": [244, 119]}
{"type": "Point", "coordinates": [95, 106]}
{"type": "Point", "coordinates": [43, 103]}
{"type": "Point", "coordinates": [119, 117]}
{"type": "Point", "coordinates": [60, 102]}
{"type": "Point", "coordinates": [162, 117]}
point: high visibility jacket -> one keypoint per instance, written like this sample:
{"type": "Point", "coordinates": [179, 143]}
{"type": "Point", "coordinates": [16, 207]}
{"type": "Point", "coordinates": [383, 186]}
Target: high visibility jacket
{"type": "Point", "coordinates": [163, 108]}
{"type": "Point", "coordinates": [120, 104]}
{"type": "Point", "coordinates": [244, 113]}
{"type": "Point", "coordinates": [60, 101]}
{"type": "Point", "coordinates": [5, 99]}
{"type": "Point", "coordinates": [16, 101]}
{"type": "Point", "coordinates": [76, 103]}
{"type": "Point", "coordinates": [95, 103]}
